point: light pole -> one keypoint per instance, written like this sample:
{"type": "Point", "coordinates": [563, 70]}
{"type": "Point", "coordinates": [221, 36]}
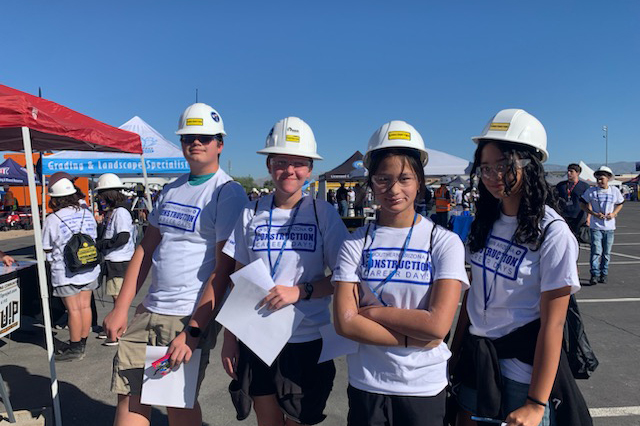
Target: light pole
{"type": "Point", "coordinates": [605, 129]}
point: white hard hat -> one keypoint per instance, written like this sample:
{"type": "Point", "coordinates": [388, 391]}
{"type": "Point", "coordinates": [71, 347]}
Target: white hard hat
{"type": "Point", "coordinates": [603, 170]}
{"type": "Point", "coordinates": [396, 134]}
{"type": "Point", "coordinates": [200, 119]}
{"type": "Point", "coordinates": [291, 136]}
{"type": "Point", "coordinates": [62, 188]}
{"type": "Point", "coordinates": [109, 181]}
{"type": "Point", "coordinates": [519, 127]}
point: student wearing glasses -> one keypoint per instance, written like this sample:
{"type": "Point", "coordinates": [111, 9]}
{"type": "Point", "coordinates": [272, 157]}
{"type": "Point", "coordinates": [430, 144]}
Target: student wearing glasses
{"type": "Point", "coordinates": [182, 247]}
{"type": "Point", "coordinates": [398, 283]}
{"type": "Point", "coordinates": [298, 238]}
{"type": "Point", "coordinates": [523, 260]}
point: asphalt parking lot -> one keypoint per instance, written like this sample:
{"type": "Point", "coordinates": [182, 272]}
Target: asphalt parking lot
{"type": "Point", "coordinates": [611, 313]}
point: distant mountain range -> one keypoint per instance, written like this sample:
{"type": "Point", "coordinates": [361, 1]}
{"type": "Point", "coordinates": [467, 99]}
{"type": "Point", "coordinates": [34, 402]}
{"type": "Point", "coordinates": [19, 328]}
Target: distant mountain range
{"type": "Point", "coordinates": [619, 168]}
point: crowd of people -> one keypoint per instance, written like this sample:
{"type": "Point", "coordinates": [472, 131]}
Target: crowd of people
{"type": "Point", "coordinates": [395, 283]}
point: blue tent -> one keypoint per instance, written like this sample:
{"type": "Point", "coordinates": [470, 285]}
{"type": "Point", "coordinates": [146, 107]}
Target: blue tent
{"type": "Point", "coordinates": [12, 173]}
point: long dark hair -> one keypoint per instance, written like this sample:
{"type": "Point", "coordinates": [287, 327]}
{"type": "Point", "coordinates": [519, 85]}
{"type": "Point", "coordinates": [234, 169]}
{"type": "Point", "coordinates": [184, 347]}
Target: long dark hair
{"type": "Point", "coordinates": [113, 198]}
{"type": "Point", "coordinates": [536, 194]}
{"type": "Point", "coordinates": [409, 156]}
{"type": "Point", "coordinates": [58, 203]}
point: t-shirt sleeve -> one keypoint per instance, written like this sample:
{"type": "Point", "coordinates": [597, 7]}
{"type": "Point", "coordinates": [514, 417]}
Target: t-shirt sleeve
{"type": "Point", "coordinates": [448, 258]}
{"type": "Point", "coordinates": [153, 216]}
{"type": "Point", "coordinates": [122, 221]}
{"type": "Point", "coordinates": [230, 204]}
{"type": "Point", "coordinates": [49, 233]}
{"type": "Point", "coordinates": [558, 259]}
{"type": "Point", "coordinates": [236, 245]}
{"type": "Point", "coordinates": [617, 195]}
{"type": "Point", "coordinates": [334, 232]}
{"type": "Point", "coordinates": [348, 264]}
{"type": "Point", "coordinates": [585, 196]}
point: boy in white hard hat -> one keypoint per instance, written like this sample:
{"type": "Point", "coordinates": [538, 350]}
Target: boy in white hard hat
{"type": "Point", "coordinates": [188, 227]}
{"type": "Point", "coordinates": [603, 203]}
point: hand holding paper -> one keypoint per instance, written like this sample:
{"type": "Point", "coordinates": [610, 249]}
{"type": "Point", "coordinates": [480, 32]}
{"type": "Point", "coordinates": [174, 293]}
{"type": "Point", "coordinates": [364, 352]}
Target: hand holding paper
{"type": "Point", "coordinates": [265, 332]}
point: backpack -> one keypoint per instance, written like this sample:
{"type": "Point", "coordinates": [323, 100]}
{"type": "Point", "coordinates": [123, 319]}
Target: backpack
{"type": "Point", "coordinates": [80, 253]}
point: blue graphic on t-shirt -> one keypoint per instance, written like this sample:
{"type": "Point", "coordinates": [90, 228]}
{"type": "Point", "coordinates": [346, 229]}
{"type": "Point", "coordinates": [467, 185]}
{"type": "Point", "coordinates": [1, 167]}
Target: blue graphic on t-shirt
{"type": "Point", "coordinates": [414, 268]}
{"type": "Point", "coordinates": [179, 216]}
{"type": "Point", "coordinates": [495, 249]}
{"type": "Point", "coordinates": [303, 237]}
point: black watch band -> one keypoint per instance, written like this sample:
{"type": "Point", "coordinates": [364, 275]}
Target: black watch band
{"type": "Point", "coordinates": [193, 331]}
{"type": "Point", "coordinates": [308, 288]}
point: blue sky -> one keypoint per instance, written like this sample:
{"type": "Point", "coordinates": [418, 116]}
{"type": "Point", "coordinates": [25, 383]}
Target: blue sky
{"type": "Point", "coordinates": [345, 67]}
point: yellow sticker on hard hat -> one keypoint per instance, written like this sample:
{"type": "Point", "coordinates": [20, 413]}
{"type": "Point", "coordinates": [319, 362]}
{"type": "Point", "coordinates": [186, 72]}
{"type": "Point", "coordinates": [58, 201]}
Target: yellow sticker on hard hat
{"type": "Point", "coordinates": [400, 135]}
{"type": "Point", "coordinates": [194, 121]}
{"type": "Point", "coordinates": [293, 138]}
{"type": "Point", "coordinates": [501, 127]}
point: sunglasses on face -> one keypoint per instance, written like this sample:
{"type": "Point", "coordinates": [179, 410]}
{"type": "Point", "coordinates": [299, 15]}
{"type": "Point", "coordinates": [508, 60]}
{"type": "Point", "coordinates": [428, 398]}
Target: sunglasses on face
{"type": "Point", "coordinates": [501, 168]}
{"type": "Point", "coordinates": [282, 163]}
{"type": "Point", "coordinates": [204, 139]}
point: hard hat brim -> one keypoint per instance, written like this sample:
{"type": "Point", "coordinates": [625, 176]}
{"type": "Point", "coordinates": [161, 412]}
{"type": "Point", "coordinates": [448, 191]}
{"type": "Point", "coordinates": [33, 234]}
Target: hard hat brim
{"type": "Point", "coordinates": [104, 188]}
{"type": "Point", "coordinates": [545, 154]}
{"type": "Point", "coordinates": [193, 132]}
{"type": "Point", "coordinates": [285, 151]}
{"type": "Point", "coordinates": [64, 194]}
{"type": "Point", "coordinates": [424, 155]}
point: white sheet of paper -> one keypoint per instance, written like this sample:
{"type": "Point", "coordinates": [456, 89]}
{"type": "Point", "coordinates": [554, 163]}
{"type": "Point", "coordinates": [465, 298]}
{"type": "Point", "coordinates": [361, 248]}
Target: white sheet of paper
{"type": "Point", "coordinates": [334, 345]}
{"type": "Point", "coordinates": [175, 389]}
{"type": "Point", "coordinates": [265, 332]}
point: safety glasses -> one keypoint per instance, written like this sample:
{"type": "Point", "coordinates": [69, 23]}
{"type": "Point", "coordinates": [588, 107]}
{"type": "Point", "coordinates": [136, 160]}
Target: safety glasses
{"type": "Point", "coordinates": [283, 163]}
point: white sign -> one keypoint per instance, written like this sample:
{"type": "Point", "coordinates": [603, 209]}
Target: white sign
{"type": "Point", "coordinates": [9, 307]}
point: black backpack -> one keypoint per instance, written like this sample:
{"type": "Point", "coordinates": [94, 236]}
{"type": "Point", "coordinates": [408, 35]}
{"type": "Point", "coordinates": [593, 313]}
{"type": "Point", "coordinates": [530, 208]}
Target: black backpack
{"type": "Point", "coordinates": [80, 252]}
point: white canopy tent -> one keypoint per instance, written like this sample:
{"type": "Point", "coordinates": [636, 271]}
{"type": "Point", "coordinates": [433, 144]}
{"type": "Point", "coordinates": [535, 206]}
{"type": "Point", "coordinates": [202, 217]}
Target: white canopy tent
{"type": "Point", "coordinates": [440, 164]}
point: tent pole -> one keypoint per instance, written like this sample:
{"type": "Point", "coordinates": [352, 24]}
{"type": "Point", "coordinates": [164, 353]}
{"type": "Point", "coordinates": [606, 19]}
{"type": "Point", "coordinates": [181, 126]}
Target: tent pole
{"type": "Point", "coordinates": [146, 183]}
{"type": "Point", "coordinates": [42, 277]}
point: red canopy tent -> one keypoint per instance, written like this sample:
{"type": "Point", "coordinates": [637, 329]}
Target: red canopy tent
{"type": "Point", "coordinates": [28, 122]}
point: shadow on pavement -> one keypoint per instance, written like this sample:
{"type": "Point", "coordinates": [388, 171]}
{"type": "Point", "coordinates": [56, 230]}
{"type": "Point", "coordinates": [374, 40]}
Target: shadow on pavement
{"type": "Point", "coordinates": [28, 391]}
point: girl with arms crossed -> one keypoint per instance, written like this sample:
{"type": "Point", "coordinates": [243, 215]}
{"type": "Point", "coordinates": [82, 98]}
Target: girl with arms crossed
{"type": "Point", "coordinates": [398, 283]}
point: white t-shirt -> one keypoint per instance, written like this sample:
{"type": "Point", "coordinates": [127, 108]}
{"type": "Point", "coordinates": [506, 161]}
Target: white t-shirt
{"type": "Point", "coordinates": [603, 201]}
{"type": "Point", "coordinates": [399, 370]}
{"type": "Point", "coordinates": [119, 220]}
{"type": "Point", "coordinates": [191, 219]}
{"type": "Point", "coordinates": [514, 292]}
{"type": "Point", "coordinates": [308, 251]}
{"type": "Point", "coordinates": [56, 234]}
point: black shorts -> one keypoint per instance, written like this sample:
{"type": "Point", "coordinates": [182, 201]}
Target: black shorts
{"type": "Point", "coordinates": [300, 384]}
{"type": "Point", "coordinates": [373, 409]}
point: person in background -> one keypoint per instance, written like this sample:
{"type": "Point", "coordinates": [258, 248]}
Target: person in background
{"type": "Point", "coordinates": [331, 198]}
{"type": "Point", "coordinates": [360, 198]}
{"type": "Point", "coordinates": [116, 242]}
{"type": "Point", "coordinates": [9, 202]}
{"type": "Point", "coordinates": [398, 283]}
{"type": "Point", "coordinates": [75, 288]}
{"type": "Point", "coordinates": [569, 192]}
{"type": "Point", "coordinates": [602, 203]}
{"type": "Point", "coordinates": [443, 203]}
{"type": "Point", "coordinates": [342, 196]}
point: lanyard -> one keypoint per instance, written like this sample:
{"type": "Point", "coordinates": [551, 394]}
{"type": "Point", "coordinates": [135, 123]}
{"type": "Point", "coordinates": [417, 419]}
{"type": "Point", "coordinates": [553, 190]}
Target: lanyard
{"type": "Point", "coordinates": [395, 270]}
{"type": "Point", "coordinates": [570, 190]}
{"type": "Point", "coordinates": [284, 243]}
{"type": "Point", "coordinates": [487, 294]}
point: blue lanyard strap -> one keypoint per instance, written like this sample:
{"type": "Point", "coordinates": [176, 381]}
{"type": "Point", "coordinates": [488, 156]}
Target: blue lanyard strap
{"type": "Point", "coordinates": [487, 294]}
{"type": "Point", "coordinates": [273, 267]}
{"type": "Point", "coordinates": [395, 270]}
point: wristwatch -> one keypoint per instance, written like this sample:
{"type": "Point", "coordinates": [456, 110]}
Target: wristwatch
{"type": "Point", "coordinates": [308, 288]}
{"type": "Point", "coordinates": [193, 331]}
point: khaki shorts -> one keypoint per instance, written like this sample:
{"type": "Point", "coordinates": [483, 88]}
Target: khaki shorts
{"type": "Point", "coordinates": [114, 285]}
{"type": "Point", "coordinates": [148, 328]}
